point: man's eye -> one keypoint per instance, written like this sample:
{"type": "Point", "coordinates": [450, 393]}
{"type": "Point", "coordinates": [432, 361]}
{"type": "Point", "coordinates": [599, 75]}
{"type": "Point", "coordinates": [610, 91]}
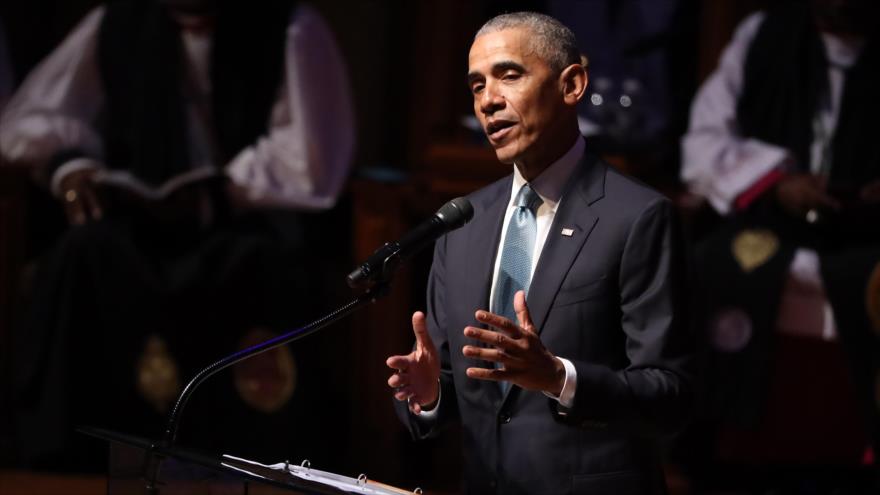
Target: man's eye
{"type": "Point", "coordinates": [510, 76]}
{"type": "Point", "coordinates": [476, 89]}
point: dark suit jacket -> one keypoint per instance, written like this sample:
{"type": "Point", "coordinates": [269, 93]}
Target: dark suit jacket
{"type": "Point", "coordinates": [605, 298]}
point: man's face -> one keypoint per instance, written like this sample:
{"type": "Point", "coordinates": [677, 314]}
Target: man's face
{"type": "Point", "coordinates": [517, 96]}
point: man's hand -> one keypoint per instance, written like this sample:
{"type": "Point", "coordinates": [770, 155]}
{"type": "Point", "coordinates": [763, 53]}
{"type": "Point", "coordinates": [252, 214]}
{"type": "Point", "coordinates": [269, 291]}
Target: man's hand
{"type": "Point", "coordinates": [417, 375]}
{"type": "Point", "coordinates": [78, 195]}
{"type": "Point", "coordinates": [800, 193]}
{"type": "Point", "coordinates": [526, 362]}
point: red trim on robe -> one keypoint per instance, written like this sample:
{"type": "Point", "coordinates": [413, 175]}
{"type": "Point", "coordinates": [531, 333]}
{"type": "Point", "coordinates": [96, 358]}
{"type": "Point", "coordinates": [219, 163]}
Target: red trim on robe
{"type": "Point", "coordinates": [747, 197]}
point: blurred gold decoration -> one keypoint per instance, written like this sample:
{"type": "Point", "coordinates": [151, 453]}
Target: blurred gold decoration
{"type": "Point", "coordinates": [266, 381]}
{"type": "Point", "coordinates": [872, 298]}
{"type": "Point", "coordinates": [754, 247]}
{"type": "Point", "coordinates": [158, 380]}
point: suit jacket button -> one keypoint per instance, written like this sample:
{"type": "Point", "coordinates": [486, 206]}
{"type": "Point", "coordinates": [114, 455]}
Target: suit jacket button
{"type": "Point", "coordinates": [504, 418]}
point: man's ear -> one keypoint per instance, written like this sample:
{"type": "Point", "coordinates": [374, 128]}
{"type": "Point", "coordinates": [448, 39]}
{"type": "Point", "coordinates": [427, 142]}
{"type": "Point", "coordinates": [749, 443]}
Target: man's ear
{"type": "Point", "coordinates": [574, 83]}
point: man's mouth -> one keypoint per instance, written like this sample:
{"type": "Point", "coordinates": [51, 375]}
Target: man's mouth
{"type": "Point", "coordinates": [498, 129]}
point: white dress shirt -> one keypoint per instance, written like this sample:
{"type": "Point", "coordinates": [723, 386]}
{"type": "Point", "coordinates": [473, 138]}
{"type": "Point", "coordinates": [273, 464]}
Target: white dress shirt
{"type": "Point", "coordinates": [549, 186]}
{"type": "Point", "coordinates": [302, 161]}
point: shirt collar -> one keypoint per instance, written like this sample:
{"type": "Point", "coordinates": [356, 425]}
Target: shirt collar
{"type": "Point", "coordinates": [550, 183]}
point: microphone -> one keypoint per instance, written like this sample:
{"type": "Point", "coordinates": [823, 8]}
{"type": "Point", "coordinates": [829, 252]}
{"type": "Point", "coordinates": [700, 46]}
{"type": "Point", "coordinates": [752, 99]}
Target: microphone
{"type": "Point", "coordinates": [381, 264]}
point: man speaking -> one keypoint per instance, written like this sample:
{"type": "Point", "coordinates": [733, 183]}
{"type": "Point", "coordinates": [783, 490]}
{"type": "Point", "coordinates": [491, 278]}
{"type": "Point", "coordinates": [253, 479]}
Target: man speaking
{"type": "Point", "coordinates": [553, 330]}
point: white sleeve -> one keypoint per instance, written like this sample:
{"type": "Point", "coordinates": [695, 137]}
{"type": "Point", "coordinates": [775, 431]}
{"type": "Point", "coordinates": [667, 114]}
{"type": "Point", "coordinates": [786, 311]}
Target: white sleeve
{"type": "Point", "coordinates": [431, 415]}
{"type": "Point", "coordinates": [569, 386]}
{"type": "Point", "coordinates": [717, 162]}
{"type": "Point", "coordinates": [55, 108]}
{"type": "Point", "coordinates": [304, 160]}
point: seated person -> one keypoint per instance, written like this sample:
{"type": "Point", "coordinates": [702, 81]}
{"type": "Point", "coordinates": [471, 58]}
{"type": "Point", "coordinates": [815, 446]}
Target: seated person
{"type": "Point", "coordinates": [159, 124]}
{"type": "Point", "coordinates": [781, 146]}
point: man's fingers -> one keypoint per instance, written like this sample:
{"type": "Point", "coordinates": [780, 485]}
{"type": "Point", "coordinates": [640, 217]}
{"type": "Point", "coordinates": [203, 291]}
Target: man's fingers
{"type": "Point", "coordinates": [499, 322]}
{"type": "Point", "coordinates": [420, 329]}
{"type": "Point", "coordinates": [494, 375]}
{"type": "Point", "coordinates": [398, 380]}
{"type": "Point", "coordinates": [415, 370]}
{"type": "Point", "coordinates": [403, 394]}
{"type": "Point", "coordinates": [522, 311]}
{"type": "Point", "coordinates": [401, 363]}
{"type": "Point", "coordinates": [492, 355]}
{"type": "Point", "coordinates": [491, 337]}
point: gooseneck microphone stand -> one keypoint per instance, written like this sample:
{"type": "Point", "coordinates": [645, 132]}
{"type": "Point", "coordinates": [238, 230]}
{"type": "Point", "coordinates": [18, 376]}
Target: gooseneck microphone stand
{"type": "Point", "coordinates": [376, 273]}
{"type": "Point", "coordinates": [153, 459]}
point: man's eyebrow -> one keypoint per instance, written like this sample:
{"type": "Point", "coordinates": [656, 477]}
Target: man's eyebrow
{"type": "Point", "coordinates": [506, 65]}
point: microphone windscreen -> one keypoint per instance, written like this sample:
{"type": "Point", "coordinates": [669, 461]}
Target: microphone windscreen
{"type": "Point", "coordinates": [456, 213]}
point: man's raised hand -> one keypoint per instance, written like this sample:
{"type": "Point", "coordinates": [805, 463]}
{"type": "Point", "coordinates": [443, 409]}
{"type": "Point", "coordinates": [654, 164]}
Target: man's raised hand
{"type": "Point", "coordinates": [417, 374]}
{"type": "Point", "coordinates": [524, 359]}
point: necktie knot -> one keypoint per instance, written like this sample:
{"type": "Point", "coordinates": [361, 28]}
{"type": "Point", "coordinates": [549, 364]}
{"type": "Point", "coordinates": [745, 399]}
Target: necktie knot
{"type": "Point", "coordinates": [528, 198]}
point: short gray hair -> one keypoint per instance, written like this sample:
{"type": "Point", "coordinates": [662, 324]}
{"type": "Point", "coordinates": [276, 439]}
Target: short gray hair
{"type": "Point", "coordinates": [552, 40]}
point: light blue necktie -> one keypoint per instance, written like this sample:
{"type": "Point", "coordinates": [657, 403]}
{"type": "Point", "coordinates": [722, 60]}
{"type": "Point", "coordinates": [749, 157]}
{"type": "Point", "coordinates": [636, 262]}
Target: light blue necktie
{"type": "Point", "coordinates": [515, 271]}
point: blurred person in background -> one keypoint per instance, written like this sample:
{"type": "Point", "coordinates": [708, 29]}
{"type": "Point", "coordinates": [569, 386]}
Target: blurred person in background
{"type": "Point", "coordinates": [163, 127]}
{"type": "Point", "coordinates": [781, 144]}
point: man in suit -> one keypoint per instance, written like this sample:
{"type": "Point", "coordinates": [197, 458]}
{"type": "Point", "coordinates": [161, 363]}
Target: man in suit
{"type": "Point", "coordinates": [553, 331]}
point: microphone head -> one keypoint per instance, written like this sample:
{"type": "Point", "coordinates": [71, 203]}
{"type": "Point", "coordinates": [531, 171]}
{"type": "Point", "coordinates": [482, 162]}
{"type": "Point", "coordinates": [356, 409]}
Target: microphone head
{"type": "Point", "coordinates": [456, 213]}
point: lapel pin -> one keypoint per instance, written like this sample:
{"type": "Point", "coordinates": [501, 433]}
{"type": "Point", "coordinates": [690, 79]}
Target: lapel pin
{"type": "Point", "coordinates": [567, 232]}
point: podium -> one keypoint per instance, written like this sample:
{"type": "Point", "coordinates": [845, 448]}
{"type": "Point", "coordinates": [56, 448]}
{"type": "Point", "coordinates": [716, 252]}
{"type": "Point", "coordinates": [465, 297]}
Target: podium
{"type": "Point", "coordinates": [183, 471]}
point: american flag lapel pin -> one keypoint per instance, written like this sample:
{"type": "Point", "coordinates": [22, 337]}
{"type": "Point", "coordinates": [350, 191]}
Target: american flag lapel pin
{"type": "Point", "coordinates": [567, 232]}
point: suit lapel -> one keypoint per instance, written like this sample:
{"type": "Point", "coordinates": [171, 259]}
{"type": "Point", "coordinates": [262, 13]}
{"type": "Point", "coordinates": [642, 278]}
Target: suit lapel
{"type": "Point", "coordinates": [586, 186]}
{"type": "Point", "coordinates": [483, 237]}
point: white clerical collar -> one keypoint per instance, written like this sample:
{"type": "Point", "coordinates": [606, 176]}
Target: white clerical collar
{"type": "Point", "coordinates": [550, 183]}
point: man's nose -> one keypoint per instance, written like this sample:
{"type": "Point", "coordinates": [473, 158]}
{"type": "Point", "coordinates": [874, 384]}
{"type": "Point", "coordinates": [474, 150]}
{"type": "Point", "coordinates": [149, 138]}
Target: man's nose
{"type": "Point", "coordinates": [491, 100]}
